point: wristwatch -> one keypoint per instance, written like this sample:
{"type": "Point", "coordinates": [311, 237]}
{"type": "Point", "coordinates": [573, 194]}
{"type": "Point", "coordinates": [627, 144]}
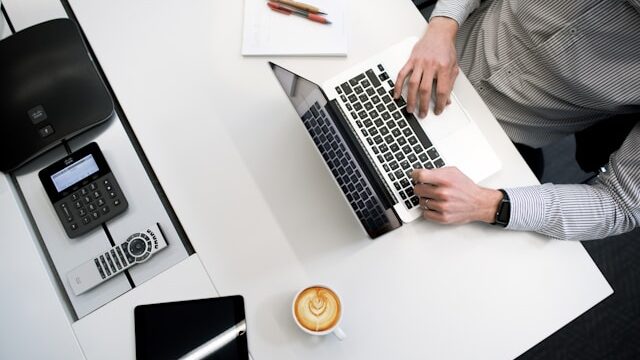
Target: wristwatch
{"type": "Point", "coordinates": [503, 214]}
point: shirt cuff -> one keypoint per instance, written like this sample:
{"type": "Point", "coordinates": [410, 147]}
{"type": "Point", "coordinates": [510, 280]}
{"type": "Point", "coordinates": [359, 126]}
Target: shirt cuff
{"type": "Point", "coordinates": [527, 208]}
{"type": "Point", "coordinates": [456, 10]}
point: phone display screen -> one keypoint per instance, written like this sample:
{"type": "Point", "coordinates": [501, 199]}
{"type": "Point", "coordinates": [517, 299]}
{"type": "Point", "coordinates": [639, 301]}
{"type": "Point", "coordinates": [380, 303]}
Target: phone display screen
{"type": "Point", "coordinates": [74, 173]}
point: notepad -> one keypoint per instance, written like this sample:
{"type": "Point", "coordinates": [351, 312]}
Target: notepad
{"type": "Point", "coordinates": [267, 32]}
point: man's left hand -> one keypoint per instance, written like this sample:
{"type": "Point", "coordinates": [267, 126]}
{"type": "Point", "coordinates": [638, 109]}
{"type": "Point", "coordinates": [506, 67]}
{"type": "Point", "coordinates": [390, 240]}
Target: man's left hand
{"type": "Point", "coordinates": [448, 196]}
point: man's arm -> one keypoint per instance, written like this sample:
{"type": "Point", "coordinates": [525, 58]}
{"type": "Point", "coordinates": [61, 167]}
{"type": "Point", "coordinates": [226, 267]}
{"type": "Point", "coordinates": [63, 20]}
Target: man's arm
{"type": "Point", "coordinates": [583, 212]}
{"type": "Point", "coordinates": [458, 10]}
{"type": "Point", "coordinates": [434, 59]}
{"type": "Point", "coordinates": [571, 212]}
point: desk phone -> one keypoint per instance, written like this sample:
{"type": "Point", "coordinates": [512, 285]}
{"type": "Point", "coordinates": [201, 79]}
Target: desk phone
{"type": "Point", "coordinates": [84, 192]}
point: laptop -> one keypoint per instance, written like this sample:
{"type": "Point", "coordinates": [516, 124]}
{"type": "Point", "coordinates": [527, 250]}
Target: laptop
{"type": "Point", "coordinates": [371, 144]}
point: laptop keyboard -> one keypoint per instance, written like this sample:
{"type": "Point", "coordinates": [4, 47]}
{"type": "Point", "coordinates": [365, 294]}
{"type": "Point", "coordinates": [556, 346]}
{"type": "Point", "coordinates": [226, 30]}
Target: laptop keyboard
{"type": "Point", "coordinates": [395, 137]}
{"type": "Point", "coordinates": [343, 166]}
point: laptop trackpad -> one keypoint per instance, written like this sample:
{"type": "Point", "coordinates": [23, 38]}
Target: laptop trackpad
{"type": "Point", "coordinates": [441, 126]}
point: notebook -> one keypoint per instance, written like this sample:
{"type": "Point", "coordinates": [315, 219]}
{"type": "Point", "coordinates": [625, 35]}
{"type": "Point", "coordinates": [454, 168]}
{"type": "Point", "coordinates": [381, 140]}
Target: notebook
{"type": "Point", "coordinates": [267, 32]}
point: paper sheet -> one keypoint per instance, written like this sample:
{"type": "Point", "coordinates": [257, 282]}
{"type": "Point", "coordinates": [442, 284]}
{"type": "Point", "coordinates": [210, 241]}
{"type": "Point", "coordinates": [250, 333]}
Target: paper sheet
{"type": "Point", "coordinates": [267, 32]}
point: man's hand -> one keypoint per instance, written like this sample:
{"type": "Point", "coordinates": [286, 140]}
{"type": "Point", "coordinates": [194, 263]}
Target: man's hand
{"type": "Point", "coordinates": [433, 59]}
{"type": "Point", "coordinates": [448, 196]}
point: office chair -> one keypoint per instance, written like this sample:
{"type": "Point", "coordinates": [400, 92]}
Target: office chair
{"type": "Point", "coordinates": [596, 143]}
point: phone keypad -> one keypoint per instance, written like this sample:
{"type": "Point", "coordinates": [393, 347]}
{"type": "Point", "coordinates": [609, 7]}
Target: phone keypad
{"type": "Point", "coordinates": [92, 204]}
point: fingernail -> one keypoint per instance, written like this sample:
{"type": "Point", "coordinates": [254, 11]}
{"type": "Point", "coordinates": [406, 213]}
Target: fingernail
{"type": "Point", "coordinates": [422, 114]}
{"type": "Point", "coordinates": [410, 109]}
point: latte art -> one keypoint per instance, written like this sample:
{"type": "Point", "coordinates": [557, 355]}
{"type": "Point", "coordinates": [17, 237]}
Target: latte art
{"type": "Point", "coordinates": [317, 309]}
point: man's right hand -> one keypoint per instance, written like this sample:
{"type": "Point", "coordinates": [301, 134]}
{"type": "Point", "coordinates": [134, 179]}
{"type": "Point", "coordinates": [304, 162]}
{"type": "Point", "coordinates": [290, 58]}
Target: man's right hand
{"type": "Point", "coordinates": [433, 59]}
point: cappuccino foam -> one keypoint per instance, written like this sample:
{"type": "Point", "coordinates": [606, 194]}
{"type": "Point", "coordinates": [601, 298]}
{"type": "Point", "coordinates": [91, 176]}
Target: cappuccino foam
{"type": "Point", "coordinates": [317, 309]}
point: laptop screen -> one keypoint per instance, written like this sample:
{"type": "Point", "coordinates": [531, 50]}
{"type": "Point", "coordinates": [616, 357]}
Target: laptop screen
{"type": "Point", "coordinates": [329, 136]}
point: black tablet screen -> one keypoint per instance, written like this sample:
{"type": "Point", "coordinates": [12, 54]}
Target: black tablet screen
{"type": "Point", "coordinates": [170, 330]}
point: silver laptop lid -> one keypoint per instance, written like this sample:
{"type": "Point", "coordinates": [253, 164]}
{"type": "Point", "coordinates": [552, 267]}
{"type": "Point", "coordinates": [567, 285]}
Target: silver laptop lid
{"type": "Point", "coordinates": [341, 152]}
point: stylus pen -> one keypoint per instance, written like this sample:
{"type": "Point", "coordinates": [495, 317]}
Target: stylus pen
{"type": "Point", "coordinates": [217, 342]}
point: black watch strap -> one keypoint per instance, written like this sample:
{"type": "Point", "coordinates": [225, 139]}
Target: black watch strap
{"type": "Point", "coordinates": [503, 213]}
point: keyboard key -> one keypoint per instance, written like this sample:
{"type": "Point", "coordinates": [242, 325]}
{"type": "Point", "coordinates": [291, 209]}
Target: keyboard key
{"type": "Point", "coordinates": [384, 131]}
{"type": "Point", "coordinates": [346, 88]}
{"type": "Point", "coordinates": [362, 114]}
{"type": "Point", "coordinates": [386, 115]}
{"type": "Point", "coordinates": [381, 91]}
{"type": "Point", "coordinates": [373, 114]}
{"type": "Point", "coordinates": [378, 139]}
{"type": "Point", "coordinates": [407, 132]}
{"type": "Point", "coordinates": [389, 156]}
{"type": "Point", "coordinates": [418, 149]}
{"type": "Point", "coordinates": [394, 147]}
{"type": "Point", "coordinates": [387, 99]}
{"type": "Point", "coordinates": [380, 108]}
{"type": "Point", "coordinates": [365, 83]}
{"type": "Point", "coordinates": [393, 165]}
{"type": "Point", "coordinates": [396, 115]}
{"type": "Point", "coordinates": [416, 165]}
{"type": "Point", "coordinates": [433, 153]}
{"type": "Point", "coordinates": [383, 148]}
{"type": "Point", "coordinates": [380, 67]}
{"type": "Point", "coordinates": [405, 183]}
{"type": "Point", "coordinates": [384, 76]}
{"type": "Point", "coordinates": [407, 203]}
{"type": "Point", "coordinates": [412, 158]}
{"type": "Point", "coordinates": [375, 99]}
{"type": "Point", "coordinates": [368, 123]}
{"type": "Point", "coordinates": [342, 97]}
{"type": "Point", "coordinates": [402, 124]}
{"type": "Point", "coordinates": [406, 149]}
{"type": "Point", "coordinates": [370, 91]}
{"type": "Point", "coordinates": [405, 165]}
{"type": "Point", "coordinates": [402, 141]}
{"type": "Point", "coordinates": [397, 186]}
{"type": "Point", "coordinates": [368, 106]}
{"type": "Point", "coordinates": [413, 140]}
{"type": "Point", "coordinates": [353, 115]}
{"type": "Point", "coordinates": [415, 200]}
{"type": "Point", "coordinates": [389, 139]}
{"type": "Point", "coordinates": [428, 165]}
{"type": "Point", "coordinates": [438, 163]}
{"type": "Point", "coordinates": [373, 78]}
{"type": "Point", "coordinates": [423, 157]}
{"type": "Point", "coordinates": [338, 90]}
{"type": "Point", "coordinates": [356, 80]}
{"type": "Point", "coordinates": [353, 98]}
{"type": "Point", "coordinates": [399, 155]}
{"type": "Point", "coordinates": [378, 122]}
{"type": "Point", "coordinates": [357, 106]}
{"type": "Point", "coordinates": [358, 90]}
{"type": "Point", "coordinates": [392, 106]}
{"type": "Point", "coordinates": [363, 98]}
{"type": "Point", "coordinates": [390, 83]}
{"type": "Point", "coordinates": [399, 174]}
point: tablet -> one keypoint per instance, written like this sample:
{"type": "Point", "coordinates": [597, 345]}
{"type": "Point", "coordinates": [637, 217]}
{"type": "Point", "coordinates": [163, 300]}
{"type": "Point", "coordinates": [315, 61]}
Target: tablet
{"type": "Point", "coordinates": [171, 330]}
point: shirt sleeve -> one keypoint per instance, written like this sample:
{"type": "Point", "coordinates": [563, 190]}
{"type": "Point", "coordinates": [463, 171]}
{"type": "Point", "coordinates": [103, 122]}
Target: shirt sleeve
{"type": "Point", "coordinates": [608, 206]}
{"type": "Point", "coordinates": [457, 10]}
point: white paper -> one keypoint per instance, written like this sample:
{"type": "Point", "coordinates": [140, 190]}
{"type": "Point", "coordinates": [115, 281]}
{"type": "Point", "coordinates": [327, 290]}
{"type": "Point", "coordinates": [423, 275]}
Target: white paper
{"type": "Point", "coordinates": [267, 32]}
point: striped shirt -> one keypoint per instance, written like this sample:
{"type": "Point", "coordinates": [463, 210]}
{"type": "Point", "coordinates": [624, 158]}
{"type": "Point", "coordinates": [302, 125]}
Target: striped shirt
{"type": "Point", "coordinates": [549, 68]}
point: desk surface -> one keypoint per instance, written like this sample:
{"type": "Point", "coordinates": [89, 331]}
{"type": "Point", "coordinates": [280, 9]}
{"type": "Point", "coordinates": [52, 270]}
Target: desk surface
{"type": "Point", "coordinates": [266, 218]}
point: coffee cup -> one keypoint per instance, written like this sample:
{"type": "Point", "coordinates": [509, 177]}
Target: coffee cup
{"type": "Point", "coordinates": [317, 310]}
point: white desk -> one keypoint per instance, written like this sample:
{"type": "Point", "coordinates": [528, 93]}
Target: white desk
{"type": "Point", "coordinates": [266, 219]}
